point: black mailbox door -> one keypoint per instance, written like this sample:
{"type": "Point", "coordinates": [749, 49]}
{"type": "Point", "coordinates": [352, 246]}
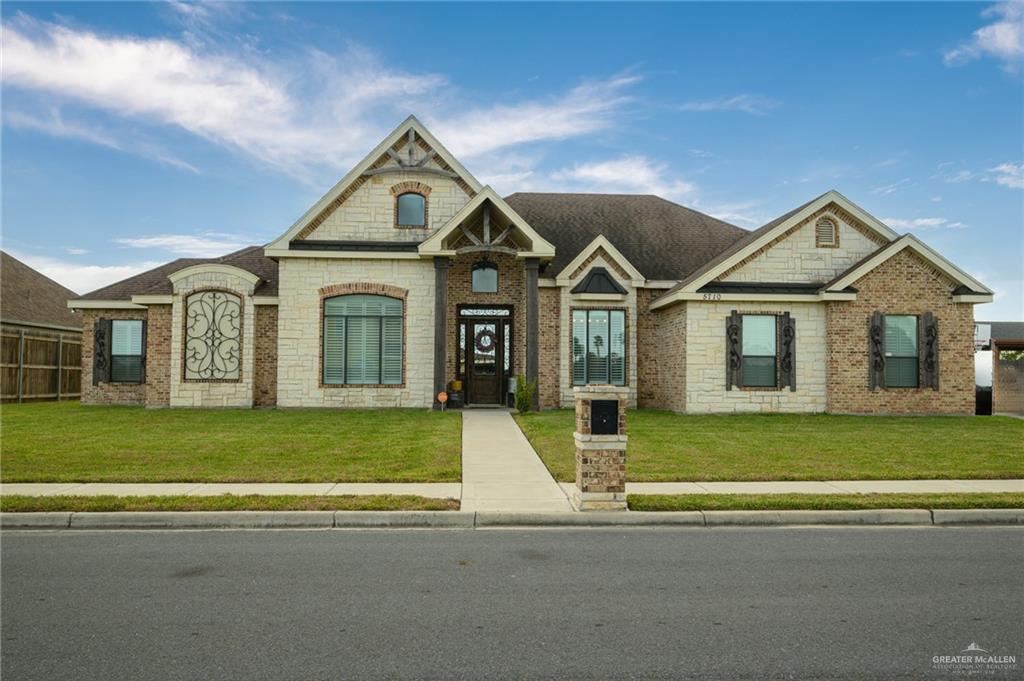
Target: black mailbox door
{"type": "Point", "coordinates": [604, 417]}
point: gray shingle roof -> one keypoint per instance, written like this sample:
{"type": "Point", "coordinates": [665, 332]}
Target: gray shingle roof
{"type": "Point", "coordinates": [155, 281]}
{"type": "Point", "coordinates": [30, 296]}
{"type": "Point", "coordinates": [1007, 331]}
{"type": "Point", "coordinates": [661, 239]}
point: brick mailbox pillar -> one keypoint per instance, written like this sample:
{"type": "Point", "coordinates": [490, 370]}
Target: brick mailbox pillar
{"type": "Point", "coordinates": [600, 448]}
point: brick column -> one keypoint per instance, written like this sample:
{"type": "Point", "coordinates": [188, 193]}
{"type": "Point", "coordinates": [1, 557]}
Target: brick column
{"type": "Point", "coordinates": [600, 458]}
{"type": "Point", "coordinates": [440, 325]}
{"type": "Point", "coordinates": [533, 326]}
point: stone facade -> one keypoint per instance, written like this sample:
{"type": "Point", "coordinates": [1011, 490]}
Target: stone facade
{"type": "Point", "coordinates": [795, 257]}
{"type": "Point", "coordinates": [299, 343]}
{"type": "Point", "coordinates": [571, 301]}
{"type": "Point", "coordinates": [906, 285]}
{"type": "Point", "coordinates": [600, 459]}
{"type": "Point", "coordinates": [369, 213]}
{"type": "Point", "coordinates": [212, 393]}
{"type": "Point", "coordinates": [265, 358]}
{"type": "Point", "coordinates": [706, 357]}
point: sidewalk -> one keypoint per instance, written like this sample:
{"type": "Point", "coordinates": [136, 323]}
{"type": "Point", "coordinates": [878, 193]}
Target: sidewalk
{"type": "Point", "coordinates": [500, 470]}
{"type": "Point", "coordinates": [497, 484]}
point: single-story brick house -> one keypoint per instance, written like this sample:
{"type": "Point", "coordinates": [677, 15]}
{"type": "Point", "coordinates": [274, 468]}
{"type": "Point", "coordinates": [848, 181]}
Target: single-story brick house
{"type": "Point", "coordinates": [409, 275]}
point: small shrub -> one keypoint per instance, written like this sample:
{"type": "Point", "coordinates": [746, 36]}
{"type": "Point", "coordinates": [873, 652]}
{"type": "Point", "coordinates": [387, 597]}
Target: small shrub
{"type": "Point", "coordinates": [524, 393]}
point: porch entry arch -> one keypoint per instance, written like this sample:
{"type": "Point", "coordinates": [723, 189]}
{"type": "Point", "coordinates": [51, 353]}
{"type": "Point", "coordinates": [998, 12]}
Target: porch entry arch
{"type": "Point", "coordinates": [484, 347]}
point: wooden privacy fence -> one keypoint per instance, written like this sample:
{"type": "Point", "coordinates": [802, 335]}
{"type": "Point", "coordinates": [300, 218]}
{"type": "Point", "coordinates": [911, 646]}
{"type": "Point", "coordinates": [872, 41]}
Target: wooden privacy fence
{"type": "Point", "coordinates": [38, 366]}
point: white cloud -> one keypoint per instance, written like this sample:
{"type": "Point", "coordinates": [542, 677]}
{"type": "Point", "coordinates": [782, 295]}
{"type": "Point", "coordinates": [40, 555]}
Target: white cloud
{"type": "Point", "coordinates": [83, 278]}
{"type": "Point", "coordinates": [922, 223]}
{"type": "Point", "coordinates": [304, 114]}
{"type": "Point", "coordinates": [700, 153]}
{"type": "Point", "coordinates": [209, 245]}
{"type": "Point", "coordinates": [55, 125]}
{"type": "Point", "coordinates": [625, 175]}
{"type": "Point", "coordinates": [735, 213]}
{"type": "Point", "coordinates": [1008, 175]}
{"type": "Point", "coordinates": [885, 190]}
{"type": "Point", "coordinates": [1003, 39]}
{"type": "Point", "coordinates": [751, 104]}
{"type": "Point", "coordinates": [584, 109]}
{"type": "Point", "coordinates": [77, 251]}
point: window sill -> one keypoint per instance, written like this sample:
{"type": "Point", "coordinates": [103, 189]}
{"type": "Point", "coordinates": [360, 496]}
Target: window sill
{"type": "Point", "coordinates": [211, 380]}
{"type": "Point", "coordinates": [361, 385]}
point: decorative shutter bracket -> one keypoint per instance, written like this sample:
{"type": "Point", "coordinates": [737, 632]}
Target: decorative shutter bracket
{"type": "Point", "coordinates": [785, 348]}
{"type": "Point", "coordinates": [101, 351]}
{"type": "Point", "coordinates": [733, 350]}
{"type": "Point", "coordinates": [928, 350]}
{"type": "Point", "coordinates": [876, 351]}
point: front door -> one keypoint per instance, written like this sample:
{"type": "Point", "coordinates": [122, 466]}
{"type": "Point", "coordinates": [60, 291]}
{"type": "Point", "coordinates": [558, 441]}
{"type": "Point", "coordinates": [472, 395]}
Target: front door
{"type": "Point", "coordinates": [484, 352]}
{"type": "Point", "coordinates": [485, 375]}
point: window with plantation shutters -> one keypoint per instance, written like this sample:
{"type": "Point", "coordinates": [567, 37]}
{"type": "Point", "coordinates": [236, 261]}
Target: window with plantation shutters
{"type": "Point", "coordinates": [760, 351]}
{"type": "Point", "coordinates": [901, 351]}
{"type": "Point", "coordinates": [362, 342]}
{"type": "Point", "coordinates": [598, 347]}
{"type": "Point", "coordinates": [127, 351]}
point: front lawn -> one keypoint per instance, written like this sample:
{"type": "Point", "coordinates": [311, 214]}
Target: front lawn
{"type": "Point", "coordinates": [226, 502]}
{"type": "Point", "coordinates": [68, 442]}
{"type": "Point", "coordinates": [818, 502]}
{"type": "Point", "coordinates": [664, 446]}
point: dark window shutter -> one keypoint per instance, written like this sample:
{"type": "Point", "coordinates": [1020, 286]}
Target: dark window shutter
{"type": "Point", "coordinates": [733, 350]}
{"type": "Point", "coordinates": [785, 350]}
{"type": "Point", "coordinates": [142, 374]}
{"type": "Point", "coordinates": [101, 351]}
{"type": "Point", "coordinates": [876, 351]}
{"type": "Point", "coordinates": [928, 350]}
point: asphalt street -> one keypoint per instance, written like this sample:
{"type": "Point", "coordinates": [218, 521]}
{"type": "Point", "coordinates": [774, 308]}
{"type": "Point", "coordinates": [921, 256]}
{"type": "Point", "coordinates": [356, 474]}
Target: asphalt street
{"type": "Point", "coordinates": [804, 603]}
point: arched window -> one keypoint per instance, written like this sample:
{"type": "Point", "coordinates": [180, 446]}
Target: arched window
{"type": "Point", "coordinates": [825, 233]}
{"type": "Point", "coordinates": [411, 210]}
{"type": "Point", "coordinates": [485, 277]}
{"type": "Point", "coordinates": [213, 336]}
{"type": "Point", "coordinates": [362, 340]}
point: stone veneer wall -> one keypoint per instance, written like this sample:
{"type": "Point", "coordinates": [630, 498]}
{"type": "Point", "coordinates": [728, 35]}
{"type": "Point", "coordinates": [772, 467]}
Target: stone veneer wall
{"type": "Point", "coordinates": [107, 393]}
{"type": "Point", "coordinates": [550, 333]}
{"type": "Point", "coordinates": [511, 291]}
{"type": "Point", "coordinates": [204, 393]}
{"type": "Point", "coordinates": [797, 258]}
{"type": "Point", "coordinates": [905, 284]}
{"type": "Point", "coordinates": [265, 358]}
{"type": "Point", "coordinates": [158, 356]}
{"type": "Point", "coordinates": [299, 342]}
{"type": "Point", "coordinates": [570, 302]}
{"type": "Point", "coordinates": [705, 360]}
{"type": "Point", "coordinates": [369, 213]}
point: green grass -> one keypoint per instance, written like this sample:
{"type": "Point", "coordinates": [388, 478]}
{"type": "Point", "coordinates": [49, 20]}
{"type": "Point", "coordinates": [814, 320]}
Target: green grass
{"type": "Point", "coordinates": [818, 502]}
{"type": "Point", "coordinates": [68, 442]}
{"type": "Point", "coordinates": [226, 502]}
{"type": "Point", "coordinates": [664, 446]}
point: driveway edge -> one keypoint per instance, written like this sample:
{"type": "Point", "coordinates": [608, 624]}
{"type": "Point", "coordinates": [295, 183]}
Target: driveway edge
{"type": "Point", "coordinates": [170, 520]}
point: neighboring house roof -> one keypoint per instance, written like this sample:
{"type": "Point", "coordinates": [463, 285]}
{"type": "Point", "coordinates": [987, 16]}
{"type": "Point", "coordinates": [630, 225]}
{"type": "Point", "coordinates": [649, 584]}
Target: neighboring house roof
{"type": "Point", "coordinates": [31, 297]}
{"type": "Point", "coordinates": [661, 239]}
{"type": "Point", "coordinates": [1006, 331]}
{"type": "Point", "coordinates": [156, 281]}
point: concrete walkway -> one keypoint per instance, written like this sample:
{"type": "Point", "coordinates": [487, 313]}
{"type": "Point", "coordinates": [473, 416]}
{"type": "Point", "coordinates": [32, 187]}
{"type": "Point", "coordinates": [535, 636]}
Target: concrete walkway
{"type": "Point", "coordinates": [500, 470]}
{"type": "Point", "coordinates": [435, 490]}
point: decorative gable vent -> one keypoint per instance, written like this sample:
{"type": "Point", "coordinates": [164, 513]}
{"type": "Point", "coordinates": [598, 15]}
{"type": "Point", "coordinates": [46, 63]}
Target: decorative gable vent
{"type": "Point", "coordinates": [599, 281]}
{"type": "Point", "coordinates": [825, 233]}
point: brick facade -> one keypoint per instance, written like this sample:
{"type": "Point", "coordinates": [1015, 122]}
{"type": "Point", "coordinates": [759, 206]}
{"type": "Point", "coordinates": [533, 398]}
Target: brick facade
{"type": "Point", "coordinates": [550, 335]}
{"type": "Point", "coordinates": [905, 284]}
{"type": "Point", "coordinates": [158, 356]}
{"type": "Point", "coordinates": [265, 357]}
{"type": "Point", "coordinates": [670, 343]}
{"type": "Point", "coordinates": [648, 392]}
{"type": "Point", "coordinates": [107, 393]}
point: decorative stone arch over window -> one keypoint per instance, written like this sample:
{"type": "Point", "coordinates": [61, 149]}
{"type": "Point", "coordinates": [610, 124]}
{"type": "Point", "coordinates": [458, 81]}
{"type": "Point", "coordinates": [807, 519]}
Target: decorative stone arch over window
{"type": "Point", "coordinates": [412, 187]}
{"type": "Point", "coordinates": [826, 232]}
{"type": "Point", "coordinates": [352, 288]}
{"type": "Point", "coordinates": [212, 336]}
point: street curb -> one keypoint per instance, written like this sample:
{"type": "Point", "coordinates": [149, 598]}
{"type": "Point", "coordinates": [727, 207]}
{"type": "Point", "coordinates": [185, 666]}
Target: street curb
{"type": "Point", "coordinates": [978, 516]}
{"type": "Point", "coordinates": [170, 520]}
{"type": "Point", "coordinates": [587, 519]}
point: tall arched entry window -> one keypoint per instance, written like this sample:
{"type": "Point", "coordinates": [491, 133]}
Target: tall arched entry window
{"type": "Point", "coordinates": [412, 210]}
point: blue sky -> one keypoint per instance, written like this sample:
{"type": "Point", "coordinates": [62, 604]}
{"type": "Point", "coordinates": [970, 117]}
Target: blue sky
{"type": "Point", "coordinates": [137, 133]}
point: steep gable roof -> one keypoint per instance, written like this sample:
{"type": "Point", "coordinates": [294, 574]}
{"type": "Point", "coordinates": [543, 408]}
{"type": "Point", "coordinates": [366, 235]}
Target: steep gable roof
{"type": "Point", "coordinates": [156, 282]}
{"type": "Point", "coordinates": [663, 240]}
{"type": "Point", "coordinates": [31, 297]}
{"type": "Point", "coordinates": [409, 128]}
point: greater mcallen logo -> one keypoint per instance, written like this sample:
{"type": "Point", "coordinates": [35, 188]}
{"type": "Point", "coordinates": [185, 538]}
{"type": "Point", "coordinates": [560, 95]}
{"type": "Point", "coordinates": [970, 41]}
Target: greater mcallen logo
{"type": "Point", "coordinates": [974, 660]}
